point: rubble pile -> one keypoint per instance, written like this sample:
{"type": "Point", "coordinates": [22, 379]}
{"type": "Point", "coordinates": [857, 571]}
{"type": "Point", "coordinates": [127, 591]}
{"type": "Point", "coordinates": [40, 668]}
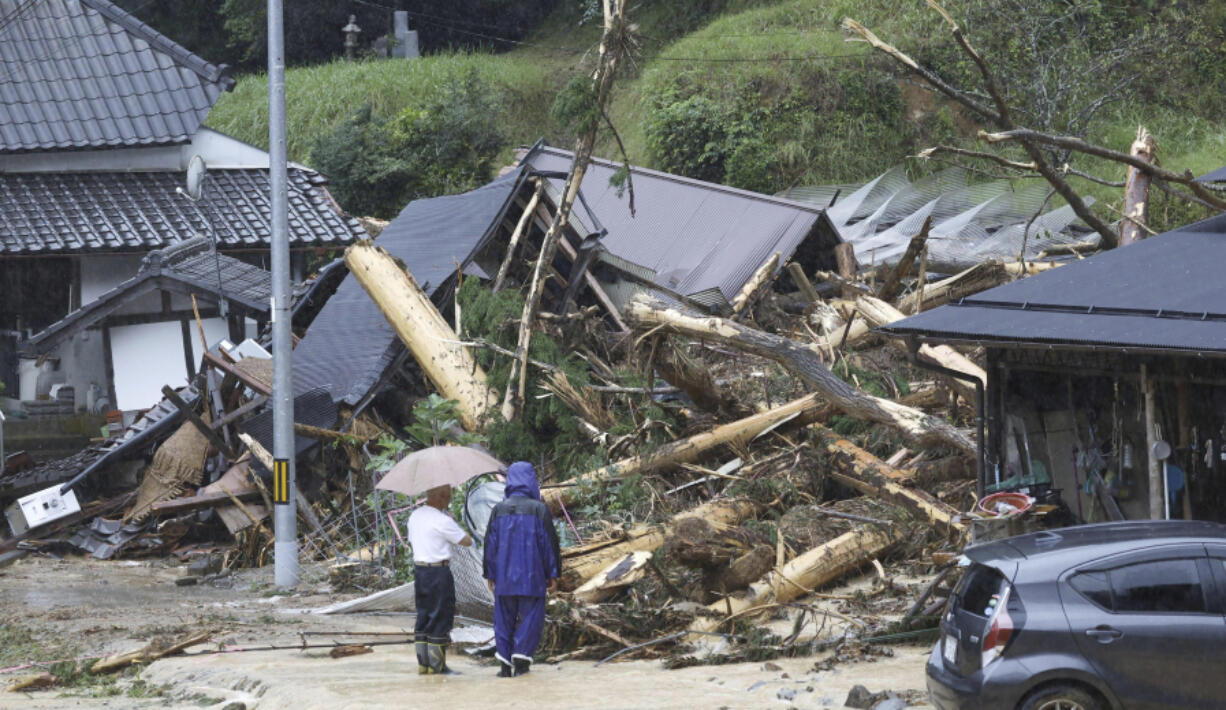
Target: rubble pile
{"type": "Point", "coordinates": [709, 470]}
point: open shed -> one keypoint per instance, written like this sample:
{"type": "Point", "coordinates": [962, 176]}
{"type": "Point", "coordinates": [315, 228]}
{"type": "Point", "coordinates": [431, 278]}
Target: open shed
{"type": "Point", "coordinates": [1098, 369]}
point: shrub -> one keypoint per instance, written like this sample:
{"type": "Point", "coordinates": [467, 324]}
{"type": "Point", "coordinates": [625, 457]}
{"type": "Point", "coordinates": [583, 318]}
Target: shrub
{"type": "Point", "coordinates": [448, 145]}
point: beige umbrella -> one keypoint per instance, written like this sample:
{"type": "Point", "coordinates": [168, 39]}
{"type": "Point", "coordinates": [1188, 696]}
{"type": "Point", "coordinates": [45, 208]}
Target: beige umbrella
{"type": "Point", "coordinates": [437, 466]}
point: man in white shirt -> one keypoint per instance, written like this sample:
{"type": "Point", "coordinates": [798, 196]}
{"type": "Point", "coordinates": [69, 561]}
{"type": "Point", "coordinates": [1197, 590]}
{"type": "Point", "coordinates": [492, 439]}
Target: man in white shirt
{"type": "Point", "coordinates": [432, 532]}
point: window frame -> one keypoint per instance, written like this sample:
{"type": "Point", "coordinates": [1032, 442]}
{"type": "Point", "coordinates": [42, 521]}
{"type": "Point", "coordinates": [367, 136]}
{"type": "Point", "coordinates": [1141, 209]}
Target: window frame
{"type": "Point", "coordinates": [1211, 581]}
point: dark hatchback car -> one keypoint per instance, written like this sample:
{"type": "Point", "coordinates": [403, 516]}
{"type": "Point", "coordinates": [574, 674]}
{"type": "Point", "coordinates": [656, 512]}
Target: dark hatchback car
{"type": "Point", "coordinates": [1118, 615]}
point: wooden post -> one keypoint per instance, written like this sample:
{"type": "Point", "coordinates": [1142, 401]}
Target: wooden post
{"type": "Point", "coordinates": [1136, 190]}
{"type": "Point", "coordinates": [524, 220]}
{"type": "Point", "coordinates": [845, 255]}
{"type": "Point", "coordinates": [797, 272]}
{"type": "Point", "coordinates": [892, 285]}
{"type": "Point", "coordinates": [1151, 437]}
{"type": "Point", "coordinates": [428, 336]}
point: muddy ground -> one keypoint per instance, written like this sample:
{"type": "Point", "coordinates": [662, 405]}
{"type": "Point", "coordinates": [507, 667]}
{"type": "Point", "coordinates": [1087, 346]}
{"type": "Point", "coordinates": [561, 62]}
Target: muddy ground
{"type": "Point", "coordinates": [79, 608]}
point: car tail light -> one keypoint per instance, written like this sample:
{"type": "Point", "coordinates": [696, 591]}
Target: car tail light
{"type": "Point", "coordinates": [1000, 631]}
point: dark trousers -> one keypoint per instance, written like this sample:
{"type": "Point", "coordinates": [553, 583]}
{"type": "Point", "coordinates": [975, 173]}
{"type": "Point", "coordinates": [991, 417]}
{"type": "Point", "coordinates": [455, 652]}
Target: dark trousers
{"type": "Point", "coordinates": [434, 588]}
{"type": "Point", "coordinates": [518, 622]}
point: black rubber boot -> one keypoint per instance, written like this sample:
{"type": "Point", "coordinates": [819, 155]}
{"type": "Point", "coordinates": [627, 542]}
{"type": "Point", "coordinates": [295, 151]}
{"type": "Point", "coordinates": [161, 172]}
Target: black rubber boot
{"type": "Point", "coordinates": [522, 666]}
{"type": "Point", "coordinates": [505, 670]}
{"type": "Point", "coordinates": [423, 658]}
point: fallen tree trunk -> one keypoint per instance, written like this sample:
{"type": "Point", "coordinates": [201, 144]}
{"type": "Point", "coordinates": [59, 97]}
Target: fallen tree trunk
{"type": "Point", "coordinates": [857, 468]}
{"type": "Point", "coordinates": [821, 565]}
{"type": "Point", "coordinates": [578, 569]}
{"type": "Point", "coordinates": [880, 313]}
{"type": "Point", "coordinates": [760, 280]}
{"type": "Point", "coordinates": [917, 426]}
{"type": "Point", "coordinates": [429, 338]}
{"type": "Point", "coordinates": [689, 449]}
{"type": "Point", "coordinates": [979, 277]}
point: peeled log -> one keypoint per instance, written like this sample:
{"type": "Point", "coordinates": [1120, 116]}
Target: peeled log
{"type": "Point", "coordinates": [578, 569]}
{"type": "Point", "coordinates": [857, 468]}
{"type": "Point", "coordinates": [880, 313]}
{"type": "Point", "coordinates": [821, 565]}
{"type": "Point", "coordinates": [621, 573]}
{"type": "Point", "coordinates": [804, 361]}
{"type": "Point", "coordinates": [432, 342]}
{"type": "Point", "coordinates": [689, 449]}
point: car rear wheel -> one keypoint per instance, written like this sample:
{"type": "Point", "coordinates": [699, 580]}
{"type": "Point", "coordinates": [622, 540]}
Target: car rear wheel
{"type": "Point", "coordinates": [1061, 697]}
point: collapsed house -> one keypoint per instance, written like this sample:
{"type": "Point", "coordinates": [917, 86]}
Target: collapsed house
{"type": "Point", "coordinates": [971, 221]}
{"type": "Point", "coordinates": [1104, 377]}
{"type": "Point", "coordinates": [100, 119]}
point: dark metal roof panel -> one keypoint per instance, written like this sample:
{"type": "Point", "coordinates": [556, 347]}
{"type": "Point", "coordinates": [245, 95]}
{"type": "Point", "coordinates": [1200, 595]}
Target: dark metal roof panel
{"type": "Point", "coordinates": [969, 322]}
{"type": "Point", "coordinates": [1176, 271]}
{"type": "Point", "coordinates": [1163, 293]}
{"type": "Point", "coordinates": [77, 74]}
{"type": "Point", "coordinates": [697, 236]}
{"type": "Point", "coordinates": [58, 213]}
{"type": "Point", "coordinates": [350, 344]}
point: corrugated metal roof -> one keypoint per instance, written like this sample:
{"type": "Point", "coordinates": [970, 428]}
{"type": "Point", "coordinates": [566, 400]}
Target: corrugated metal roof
{"type": "Point", "coordinates": [1218, 175]}
{"type": "Point", "coordinates": [80, 74]}
{"type": "Point", "coordinates": [350, 344]}
{"type": "Point", "coordinates": [191, 267]}
{"type": "Point", "coordinates": [72, 213]}
{"type": "Point", "coordinates": [698, 237]}
{"type": "Point", "coordinates": [1166, 293]}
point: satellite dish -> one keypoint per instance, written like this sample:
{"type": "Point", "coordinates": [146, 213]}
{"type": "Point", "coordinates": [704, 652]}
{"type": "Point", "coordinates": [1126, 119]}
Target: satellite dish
{"type": "Point", "coordinates": [195, 177]}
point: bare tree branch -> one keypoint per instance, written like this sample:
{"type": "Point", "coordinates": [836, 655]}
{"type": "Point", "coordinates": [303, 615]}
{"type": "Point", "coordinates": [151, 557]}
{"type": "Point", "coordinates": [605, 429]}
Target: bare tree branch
{"type": "Point", "coordinates": [1026, 135]}
{"type": "Point", "coordinates": [999, 160]}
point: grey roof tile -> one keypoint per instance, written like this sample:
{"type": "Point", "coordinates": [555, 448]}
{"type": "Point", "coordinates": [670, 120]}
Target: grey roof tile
{"type": "Point", "coordinates": [56, 213]}
{"type": "Point", "coordinates": [78, 74]}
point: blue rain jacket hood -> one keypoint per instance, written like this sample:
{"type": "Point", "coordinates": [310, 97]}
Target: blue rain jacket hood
{"type": "Point", "coordinates": [521, 481]}
{"type": "Point", "coordinates": [521, 545]}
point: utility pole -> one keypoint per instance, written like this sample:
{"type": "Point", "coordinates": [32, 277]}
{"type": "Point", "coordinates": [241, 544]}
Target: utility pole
{"type": "Point", "coordinates": [285, 551]}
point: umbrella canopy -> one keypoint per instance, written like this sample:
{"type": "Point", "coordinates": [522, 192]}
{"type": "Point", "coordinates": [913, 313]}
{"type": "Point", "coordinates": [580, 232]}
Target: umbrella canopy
{"type": "Point", "coordinates": [437, 466]}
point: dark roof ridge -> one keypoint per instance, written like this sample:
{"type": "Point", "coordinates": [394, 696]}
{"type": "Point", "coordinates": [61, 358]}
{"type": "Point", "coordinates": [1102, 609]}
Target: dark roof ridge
{"type": "Point", "coordinates": [216, 73]}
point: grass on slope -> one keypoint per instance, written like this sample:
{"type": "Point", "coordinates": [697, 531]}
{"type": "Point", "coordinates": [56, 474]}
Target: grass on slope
{"type": "Point", "coordinates": [318, 97]}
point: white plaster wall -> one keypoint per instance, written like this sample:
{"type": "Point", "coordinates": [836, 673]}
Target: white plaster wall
{"type": "Point", "coordinates": [149, 356]}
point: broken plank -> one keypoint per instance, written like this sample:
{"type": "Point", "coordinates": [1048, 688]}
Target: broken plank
{"type": "Point", "coordinates": [204, 500]}
{"type": "Point", "coordinates": [201, 425]}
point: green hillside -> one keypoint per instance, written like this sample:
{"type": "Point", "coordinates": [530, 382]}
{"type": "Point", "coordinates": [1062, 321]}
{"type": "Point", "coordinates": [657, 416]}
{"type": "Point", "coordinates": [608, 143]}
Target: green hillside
{"type": "Point", "coordinates": [767, 95]}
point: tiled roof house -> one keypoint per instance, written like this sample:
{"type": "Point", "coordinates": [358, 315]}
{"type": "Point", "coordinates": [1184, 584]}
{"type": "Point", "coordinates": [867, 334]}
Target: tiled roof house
{"type": "Point", "coordinates": [99, 117]}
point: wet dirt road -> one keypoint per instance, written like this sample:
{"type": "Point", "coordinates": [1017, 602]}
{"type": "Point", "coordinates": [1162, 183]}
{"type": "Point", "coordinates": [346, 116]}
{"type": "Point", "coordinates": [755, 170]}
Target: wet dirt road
{"type": "Point", "coordinates": [82, 608]}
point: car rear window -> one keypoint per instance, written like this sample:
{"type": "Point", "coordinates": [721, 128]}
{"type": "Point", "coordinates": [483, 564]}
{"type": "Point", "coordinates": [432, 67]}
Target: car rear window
{"type": "Point", "coordinates": [1158, 585]}
{"type": "Point", "coordinates": [979, 585]}
{"type": "Point", "coordinates": [1094, 586]}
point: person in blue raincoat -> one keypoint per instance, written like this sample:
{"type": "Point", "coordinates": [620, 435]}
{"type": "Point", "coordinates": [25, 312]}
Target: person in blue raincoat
{"type": "Point", "coordinates": [522, 562]}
